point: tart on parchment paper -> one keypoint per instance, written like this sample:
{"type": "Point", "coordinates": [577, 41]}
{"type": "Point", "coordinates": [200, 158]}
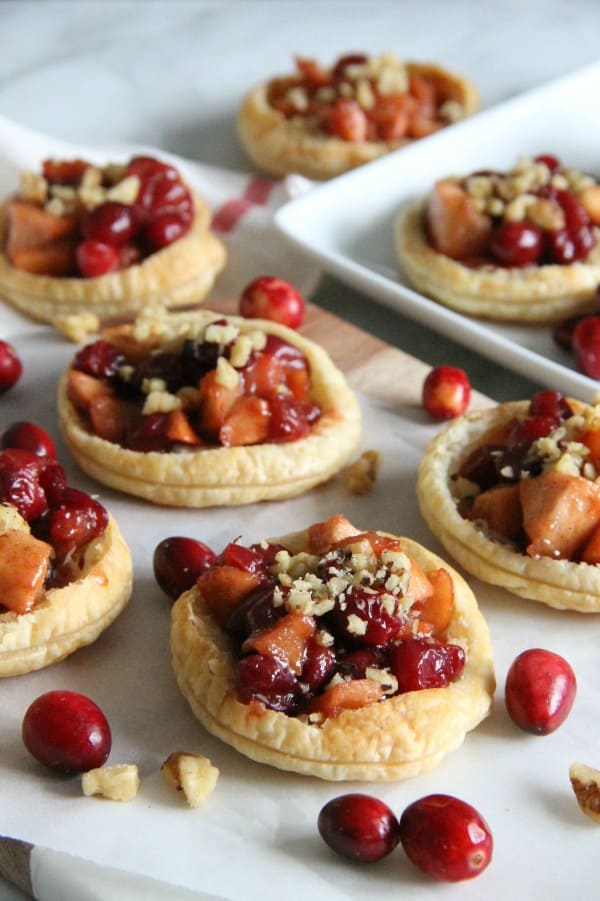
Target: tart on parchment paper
{"type": "Point", "coordinates": [391, 736]}
{"type": "Point", "coordinates": [322, 122]}
{"type": "Point", "coordinates": [512, 494]}
{"type": "Point", "coordinates": [254, 412]}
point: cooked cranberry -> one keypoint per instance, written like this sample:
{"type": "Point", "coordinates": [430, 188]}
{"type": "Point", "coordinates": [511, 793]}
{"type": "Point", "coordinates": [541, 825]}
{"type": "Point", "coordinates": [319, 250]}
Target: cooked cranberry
{"type": "Point", "coordinates": [150, 435]}
{"type": "Point", "coordinates": [446, 392]}
{"type": "Point", "coordinates": [349, 59]}
{"type": "Point", "coordinates": [100, 359]}
{"type": "Point", "coordinates": [446, 838]}
{"type": "Point", "coordinates": [567, 247]}
{"type": "Point", "coordinates": [586, 346]}
{"type": "Point", "coordinates": [76, 520]}
{"type": "Point", "coordinates": [11, 367]}
{"type": "Point", "coordinates": [529, 430]}
{"type": "Point", "coordinates": [562, 332]}
{"type": "Point", "coordinates": [255, 613]}
{"type": "Point", "coordinates": [66, 731]}
{"type": "Point", "coordinates": [516, 243]}
{"type": "Point", "coordinates": [178, 561]}
{"type": "Point", "coordinates": [319, 666]}
{"type": "Point", "coordinates": [110, 223]}
{"type": "Point", "coordinates": [481, 465]}
{"type": "Point", "coordinates": [29, 436]}
{"type": "Point", "coordinates": [243, 557]}
{"type": "Point", "coordinates": [64, 172]}
{"type": "Point", "coordinates": [147, 166]}
{"type": "Point", "coordinates": [273, 298]}
{"type": "Point", "coordinates": [267, 551]}
{"type": "Point", "coordinates": [285, 353]}
{"type": "Point", "coordinates": [574, 210]}
{"type": "Point", "coordinates": [540, 690]}
{"type": "Point", "coordinates": [347, 120]}
{"type": "Point", "coordinates": [165, 229]}
{"type": "Point", "coordinates": [95, 258]}
{"type": "Point", "coordinates": [550, 404]}
{"type": "Point", "coordinates": [53, 480]}
{"type": "Point", "coordinates": [160, 194]}
{"type": "Point", "coordinates": [19, 483]}
{"type": "Point", "coordinates": [262, 678]}
{"type": "Point", "coordinates": [363, 609]}
{"type": "Point", "coordinates": [425, 663]}
{"type": "Point", "coordinates": [355, 663]}
{"type": "Point", "coordinates": [289, 421]}
{"type": "Point", "coordinates": [359, 827]}
{"type": "Point", "coordinates": [549, 160]}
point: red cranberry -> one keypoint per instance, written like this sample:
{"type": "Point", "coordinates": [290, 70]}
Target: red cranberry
{"type": "Point", "coordinates": [566, 246]}
{"type": "Point", "coordinates": [255, 613]}
{"type": "Point", "coordinates": [160, 194]}
{"type": "Point", "coordinates": [349, 59]}
{"type": "Point", "coordinates": [289, 420]}
{"type": "Point", "coordinates": [150, 435]}
{"type": "Point", "coordinates": [550, 404]}
{"type": "Point", "coordinates": [285, 353]}
{"type": "Point", "coordinates": [100, 359]}
{"type": "Point", "coordinates": [76, 520]}
{"type": "Point", "coordinates": [425, 663]}
{"type": "Point", "coordinates": [446, 838]}
{"type": "Point", "coordinates": [319, 666]}
{"type": "Point", "coordinates": [110, 223]}
{"type": "Point", "coordinates": [347, 120]}
{"type": "Point", "coordinates": [273, 298]}
{"type": "Point", "coordinates": [94, 258]}
{"type": "Point", "coordinates": [529, 430]}
{"type": "Point", "coordinates": [165, 229]}
{"type": "Point", "coordinates": [67, 731]}
{"type": "Point", "coordinates": [265, 679]}
{"type": "Point", "coordinates": [549, 160]}
{"type": "Point", "coordinates": [11, 367]}
{"type": "Point", "coordinates": [516, 243]}
{"type": "Point", "coordinates": [31, 437]}
{"type": "Point", "coordinates": [481, 465]}
{"type": "Point", "coordinates": [562, 332]}
{"type": "Point", "coordinates": [540, 690]}
{"type": "Point", "coordinates": [446, 392]}
{"type": "Point", "coordinates": [19, 483]}
{"type": "Point", "coordinates": [586, 346]}
{"type": "Point", "coordinates": [178, 562]}
{"type": "Point", "coordinates": [380, 627]}
{"type": "Point", "coordinates": [249, 558]}
{"type": "Point", "coordinates": [359, 827]}
{"type": "Point", "coordinates": [147, 166]}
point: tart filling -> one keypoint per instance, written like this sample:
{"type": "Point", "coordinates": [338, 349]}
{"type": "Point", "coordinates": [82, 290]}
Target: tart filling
{"type": "Point", "coordinates": [514, 495]}
{"type": "Point", "coordinates": [65, 570]}
{"type": "Point", "coordinates": [321, 121]}
{"type": "Point", "coordinates": [80, 237]}
{"type": "Point", "coordinates": [520, 245]}
{"type": "Point", "coordinates": [334, 652]}
{"type": "Point", "coordinates": [195, 409]}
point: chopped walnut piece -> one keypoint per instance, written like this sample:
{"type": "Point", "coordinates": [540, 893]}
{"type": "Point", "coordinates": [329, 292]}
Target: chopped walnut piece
{"type": "Point", "coordinates": [192, 774]}
{"type": "Point", "coordinates": [119, 782]}
{"type": "Point", "coordinates": [76, 326]}
{"type": "Point", "coordinates": [361, 474]}
{"type": "Point", "coordinates": [586, 785]}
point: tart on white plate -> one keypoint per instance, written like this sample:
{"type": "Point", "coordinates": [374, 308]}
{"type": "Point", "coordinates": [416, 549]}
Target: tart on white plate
{"type": "Point", "coordinates": [65, 569]}
{"type": "Point", "coordinates": [513, 494]}
{"type": "Point", "coordinates": [200, 409]}
{"type": "Point", "coordinates": [80, 238]}
{"type": "Point", "coordinates": [334, 653]}
{"type": "Point", "coordinates": [321, 121]}
{"type": "Point", "coordinates": [519, 245]}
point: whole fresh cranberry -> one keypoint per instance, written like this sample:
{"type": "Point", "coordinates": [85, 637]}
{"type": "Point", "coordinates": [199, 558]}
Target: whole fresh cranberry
{"type": "Point", "coordinates": [586, 345]}
{"type": "Point", "coordinates": [359, 827]}
{"type": "Point", "coordinates": [446, 392]}
{"type": "Point", "coordinates": [540, 690]}
{"type": "Point", "coordinates": [96, 258]}
{"type": "Point", "coordinates": [269, 297]}
{"type": "Point", "coordinates": [29, 436]}
{"type": "Point", "coordinates": [66, 731]}
{"type": "Point", "coordinates": [516, 243]}
{"type": "Point", "coordinates": [110, 223]}
{"type": "Point", "coordinates": [446, 838]}
{"type": "Point", "coordinates": [178, 561]}
{"type": "Point", "coordinates": [11, 367]}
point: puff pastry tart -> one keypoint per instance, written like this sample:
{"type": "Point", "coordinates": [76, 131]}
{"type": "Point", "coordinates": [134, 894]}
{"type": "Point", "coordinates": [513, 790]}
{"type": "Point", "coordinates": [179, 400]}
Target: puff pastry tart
{"type": "Point", "coordinates": [513, 493]}
{"type": "Point", "coordinates": [519, 246]}
{"type": "Point", "coordinates": [65, 569]}
{"type": "Point", "coordinates": [107, 240]}
{"type": "Point", "coordinates": [321, 121]}
{"type": "Point", "coordinates": [198, 409]}
{"type": "Point", "coordinates": [334, 653]}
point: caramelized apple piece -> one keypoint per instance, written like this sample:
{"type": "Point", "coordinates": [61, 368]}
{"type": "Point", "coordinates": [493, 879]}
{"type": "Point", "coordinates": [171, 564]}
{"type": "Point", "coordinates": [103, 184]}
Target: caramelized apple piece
{"type": "Point", "coordinates": [111, 418]}
{"type": "Point", "coordinates": [591, 439]}
{"type": "Point", "coordinates": [225, 587]}
{"type": "Point", "coordinates": [31, 226]}
{"type": "Point", "coordinates": [591, 549]}
{"type": "Point", "coordinates": [590, 198]}
{"type": "Point", "coordinates": [347, 696]}
{"type": "Point", "coordinates": [57, 258]}
{"type": "Point", "coordinates": [436, 608]}
{"type": "Point", "coordinates": [83, 388]}
{"type": "Point", "coordinates": [179, 429]}
{"type": "Point", "coordinates": [500, 508]}
{"type": "Point", "coordinates": [322, 535]}
{"type": "Point", "coordinates": [217, 400]}
{"type": "Point", "coordinates": [23, 565]}
{"type": "Point", "coordinates": [560, 512]}
{"type": "Point", "coordinates": [247, 422]}
{"type": "Point", "coordinates": [455, 228]}
{"type": "Point", "coordinates": [286, 640]}
{"type": "Point", "coordinates": [419, 586]}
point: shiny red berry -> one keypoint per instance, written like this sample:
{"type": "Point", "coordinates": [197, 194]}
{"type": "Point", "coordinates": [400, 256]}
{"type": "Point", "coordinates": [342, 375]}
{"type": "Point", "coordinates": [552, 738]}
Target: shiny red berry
{"type": "Point", "coordinates": [586, 346]}
{"type": "Point", "coordinates": [178, 562]}
{"type": "Point", "coordinates": [359, 827]}
{"type": "Point", "coordinates": [110, 223]}
{"type": "Point", "coordinates": [273, 298]}
{"type": "Point", "coordinates": [95, 258]}
{"type": "Point", "coordinates": [29, 436]}
{"type": "Point", "coordinates": [446, 392]}
{"type": "Point", "coordinates": [11, 367]}
{"type": "Point", "coordinates": [516, 243]}
{"type": "Point", "coordinates": [540, 691]}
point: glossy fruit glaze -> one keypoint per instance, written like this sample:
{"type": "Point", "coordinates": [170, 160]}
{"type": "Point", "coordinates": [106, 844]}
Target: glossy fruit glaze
{"type": "Point", "coordinates": [204, 393]}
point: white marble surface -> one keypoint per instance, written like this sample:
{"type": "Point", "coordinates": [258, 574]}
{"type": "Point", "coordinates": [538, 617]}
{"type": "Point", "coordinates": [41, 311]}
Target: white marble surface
{"type": "Point", "coordinates": [171, 74]}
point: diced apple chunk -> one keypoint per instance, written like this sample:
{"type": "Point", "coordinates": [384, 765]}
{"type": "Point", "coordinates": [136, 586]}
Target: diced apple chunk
{"type": "Point", "coordinates": [437, 607]}
{"type": "Point", "coordinates": [119, 782]}
{"type": "Point", "coordinates": [192, 774]}
{"type": "Point", "coordinates": [31, 226]}
{"type": "Point", "coordinates": [347, 696]}
{"type": "Point", "coordinates": [225, 587]}
{"type": "Point", "coordinates": [560, 512]}
{"type": "Point", "coordinates": [322, 535]}
{"type": "Point", "coordinates": [247, 422]}
{"type": "Point", "coordinates": [455, 228]}
{"type": "Point", "coordinates": [286, 640]}
{"type": "Point", "coordinates": [500, 508]}
{"type": "Point", "coordinates": [23, 566]}
{"type": "Point", "coordinates": [83, 388]}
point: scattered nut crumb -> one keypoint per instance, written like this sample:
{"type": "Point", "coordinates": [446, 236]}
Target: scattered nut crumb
{"type": "Point", "coordinates": [119, 782]}
{"type": "Point", "coordinates": [192, 774]}
{"type": "Point", "coordinates": [586, 785]}
{"type": "Point", "coordinates": [361, 474]}
{"type": "Point", "coordinates": [76, 326]}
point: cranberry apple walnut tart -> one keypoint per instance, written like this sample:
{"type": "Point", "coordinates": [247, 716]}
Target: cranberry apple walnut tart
{"type": "Point", "coordinates": [105, 239]}
{"type": "Point", "coordinates": [65, 570]}
{"type": "Point", "coordinates": [513, 493]}
{"type": "Point", "coordinates": [520, 245]}
{"type": "Point", "coordinates": [322, 121]}
{"type": "Point", "coordinates": [335, 653]}
{"type": "Point", "coordinates": [198, 409]}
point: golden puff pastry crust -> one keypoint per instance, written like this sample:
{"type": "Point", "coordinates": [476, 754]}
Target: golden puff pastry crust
{"type": "Point", "coordinates": [180, 274]}
{"type": "Point", "coordinates": [394, 739]}
{"type": "Point", "coordinates": [279, 146]}
{"type": "Point", "coordinates": [73, 616]}
{"type": "Point", "coordinates": [224, 476]}
{"type": "Point", "coordinates": [559, 583]}
{"type": "Point", "coordinates": [536, 294]}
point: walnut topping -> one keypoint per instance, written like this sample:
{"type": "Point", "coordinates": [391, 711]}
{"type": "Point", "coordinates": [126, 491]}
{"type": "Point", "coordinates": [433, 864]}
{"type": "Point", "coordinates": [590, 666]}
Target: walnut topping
{"type": "Point", "coordinates": [33, 187]}
{"type": "Point", "coordinates": [226, 375]}
{"type": "Point", "coordinates": [585, 781]}
{"type": "Point", "coordinates": [192, 774]}
{"type": "Point", "coordinates": [76, 326]}
{"type": "Point", "coordinates": [119, 782]}
{"type": "Point", "coordinates": [160, 402]}
{"type": "Point", "coordinates": [362, 474]}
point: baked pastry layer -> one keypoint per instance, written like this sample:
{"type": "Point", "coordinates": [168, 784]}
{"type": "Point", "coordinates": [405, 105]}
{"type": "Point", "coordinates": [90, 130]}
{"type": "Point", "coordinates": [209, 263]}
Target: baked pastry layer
{"type": "Point", "coordinates": [220, 476]}
{"type": "Point", "coordinates": [394, 739]}
{"type": "Point", "coordinates": [180, 274]}
{"type": "Point", "coordinates": [73, 616]}
{"type": "Point", "coordinates": [279, 146]}
{"type": "Point", "coordinates": [559, 583]}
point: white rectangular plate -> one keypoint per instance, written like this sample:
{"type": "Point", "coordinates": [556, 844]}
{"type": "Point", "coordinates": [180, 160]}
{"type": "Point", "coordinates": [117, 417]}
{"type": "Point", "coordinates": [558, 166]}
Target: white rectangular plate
{"type": "Point", "coordinates": [347, 223]}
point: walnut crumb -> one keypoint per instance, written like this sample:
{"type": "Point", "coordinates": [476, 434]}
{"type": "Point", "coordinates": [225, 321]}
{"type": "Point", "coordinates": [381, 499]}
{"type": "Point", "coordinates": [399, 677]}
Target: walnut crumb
{"type": "Point", "coordinates": [361, 474]}
{"type": "Point", "coordinates": [76, 326]}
